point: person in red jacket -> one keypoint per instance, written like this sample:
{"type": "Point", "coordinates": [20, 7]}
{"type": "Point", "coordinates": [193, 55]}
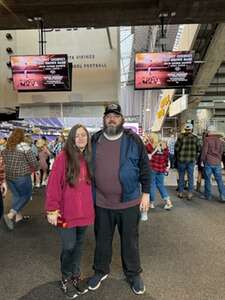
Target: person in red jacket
{"type": "Point", "coordinates": [3, 186]}
{"type": "Point", "coordinates": [158, 154]}
{"type": "Point", "coordinates": [69, 201]}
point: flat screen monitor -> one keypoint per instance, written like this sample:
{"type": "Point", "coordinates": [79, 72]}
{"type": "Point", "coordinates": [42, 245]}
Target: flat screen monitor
{"type": "Point", "coordinates": [40, 73]}
{"type": "Point", "coordinates": [163, 70]}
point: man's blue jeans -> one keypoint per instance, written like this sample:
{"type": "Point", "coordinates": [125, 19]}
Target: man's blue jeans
{"type": "Point", "coordinates": [182, 168]}
{"type": "Point", "coordinates": [21, 188]}
{"type": "Point", "coordinates": [157, 182]}
{"type": "Point", "coordinates": [216, 171]}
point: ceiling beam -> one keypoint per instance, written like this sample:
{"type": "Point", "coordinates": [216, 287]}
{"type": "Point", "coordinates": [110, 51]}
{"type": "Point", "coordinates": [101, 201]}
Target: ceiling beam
{"type": "Point", "coordinates": [213, 59]}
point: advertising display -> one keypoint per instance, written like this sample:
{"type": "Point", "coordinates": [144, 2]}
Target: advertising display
{"type": "Point", "coordinates": [40, 72]}
{"type": "Point", "coordinates": [163, 70]}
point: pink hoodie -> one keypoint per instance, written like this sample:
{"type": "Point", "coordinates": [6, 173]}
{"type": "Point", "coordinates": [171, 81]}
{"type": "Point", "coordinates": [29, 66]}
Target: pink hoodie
{"type": "Point", "coordinates": [74, 203]}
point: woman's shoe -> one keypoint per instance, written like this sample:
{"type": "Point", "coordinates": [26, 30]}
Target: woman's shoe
{"type": "Point", "coordinates": [152, 205]}
{"type": "Point", "coordinates": [8, 222]}
{"type": "Point", "coordinates": [168, 205]}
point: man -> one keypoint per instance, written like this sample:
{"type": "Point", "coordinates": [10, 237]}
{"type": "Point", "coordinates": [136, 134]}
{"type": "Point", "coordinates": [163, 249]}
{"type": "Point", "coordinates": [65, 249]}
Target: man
{"type": "Point", "coordinates": [171, 146]}
{"type": "Point", "coordinates": [120, 166]}
{"type": "Point", "coordinates": [212, 151]}
{"type": "Point", "coordinates": [187, 148]}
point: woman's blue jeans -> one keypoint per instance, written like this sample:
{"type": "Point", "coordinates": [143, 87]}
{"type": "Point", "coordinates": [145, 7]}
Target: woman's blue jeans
{"type": "Point", "coordinates": [157, 182]}
{"type": "Point", "coordinates": [21, 188]}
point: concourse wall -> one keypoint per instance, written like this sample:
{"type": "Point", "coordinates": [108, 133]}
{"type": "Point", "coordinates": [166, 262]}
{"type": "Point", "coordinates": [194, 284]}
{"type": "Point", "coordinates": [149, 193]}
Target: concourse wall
{"type": "Point", "coordinates": [95, 77]}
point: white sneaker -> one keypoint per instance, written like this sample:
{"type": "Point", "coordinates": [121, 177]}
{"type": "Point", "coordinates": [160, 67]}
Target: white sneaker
{"type": "Point", "coordinates": [152, 205]}
{"type": "Point", "coordinates": [44, 182]}
{"type": "Point", "coordinates": [37, 185]}
{"type": "Point", "coordinates": [168, 205]}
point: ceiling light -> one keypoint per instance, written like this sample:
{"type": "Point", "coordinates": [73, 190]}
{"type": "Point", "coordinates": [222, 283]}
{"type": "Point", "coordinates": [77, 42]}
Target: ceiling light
{"type": "Point", "coordinates": [8, 36]}
{"type": "Point", "coordinates": [37, 18]}
{"type": "Point", "coordinates": [9, 50]}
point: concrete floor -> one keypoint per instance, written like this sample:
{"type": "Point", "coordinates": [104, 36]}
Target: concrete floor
{"type": "Point", "coordinates": [183, 255]}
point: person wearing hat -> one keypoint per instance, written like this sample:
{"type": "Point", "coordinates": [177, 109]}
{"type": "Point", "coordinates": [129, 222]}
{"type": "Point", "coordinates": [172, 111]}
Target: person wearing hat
{"type": "Point", "coordinates": [212, 151]}
{"type": "Point", "coordinates": [121, 189]}
{"type": "Point", "coordinates": [187, 148]}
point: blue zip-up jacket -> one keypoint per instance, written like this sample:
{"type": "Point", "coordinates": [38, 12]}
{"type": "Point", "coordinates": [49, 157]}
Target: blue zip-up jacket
{"type": "Point", "coordinates": [134, 171]}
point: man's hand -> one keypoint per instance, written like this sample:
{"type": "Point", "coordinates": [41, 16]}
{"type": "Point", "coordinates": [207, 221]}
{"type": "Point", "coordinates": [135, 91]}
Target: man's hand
{"type": "Point", "coordinates": [3, 189]}
{"type": "Point", "coordinates": [144, 205]}
{"type": "Point", "coordinates": [53, 216]}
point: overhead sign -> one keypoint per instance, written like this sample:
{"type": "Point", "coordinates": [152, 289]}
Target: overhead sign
{"type": "Point", "coordinates": [163, 70]}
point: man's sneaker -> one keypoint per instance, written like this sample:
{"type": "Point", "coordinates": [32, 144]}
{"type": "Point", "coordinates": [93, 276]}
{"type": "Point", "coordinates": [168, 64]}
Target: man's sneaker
{"type": "Point", "coordinates": [168, 205]}
{"type": "Point", "coordinates": [69, 289]}
{"type": "Point", "coordinates": [180, 195]}
{"type": "Point", "coordinates": [95, 281]}
{"type": "Point", "coordinates": [80, 284]}
{"type": "Point", "coordinates": [137, 285]}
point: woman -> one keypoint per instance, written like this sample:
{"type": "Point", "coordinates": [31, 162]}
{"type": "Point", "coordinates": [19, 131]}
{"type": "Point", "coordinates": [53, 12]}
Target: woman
{"type": "Point", "coordinates": [69, 200]}
{"type": "Point", "coordinates": [158, 159]}
{"type": "Point", "coordinates": [19, 164]}
{"type": "Point", "coordinates": [59, 144]}
{"type": "Point", "coordinates": [43, 156]}
{"type": "Point", "coordinates": [3, 186]}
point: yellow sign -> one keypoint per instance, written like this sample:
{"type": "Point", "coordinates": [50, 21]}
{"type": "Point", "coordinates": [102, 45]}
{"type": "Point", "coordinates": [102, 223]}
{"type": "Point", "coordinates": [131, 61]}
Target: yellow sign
{"type": "Point", "coordinates": [164, 104]}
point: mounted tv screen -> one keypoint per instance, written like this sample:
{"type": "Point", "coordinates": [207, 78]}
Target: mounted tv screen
{"type": "Point", "coordinates": [41, 73]}
{"type": "Point", "coordinates": [163, 70]}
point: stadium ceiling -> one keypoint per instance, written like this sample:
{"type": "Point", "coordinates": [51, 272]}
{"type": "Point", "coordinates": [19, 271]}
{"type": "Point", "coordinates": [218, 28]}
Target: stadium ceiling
{"type": "Point", "coordinates": [16, 14]}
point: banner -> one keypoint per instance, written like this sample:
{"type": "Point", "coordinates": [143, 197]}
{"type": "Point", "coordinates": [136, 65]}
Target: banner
{"type": "Point", "coordinates": [161, 113]}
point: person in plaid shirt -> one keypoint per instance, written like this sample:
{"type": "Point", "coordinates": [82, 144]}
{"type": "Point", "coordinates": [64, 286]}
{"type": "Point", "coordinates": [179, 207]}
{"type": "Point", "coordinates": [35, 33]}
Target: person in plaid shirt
{"type": "Point", "coordinates": [187, 149]}
{"type": "Point", "coordinates": [158, 154]}
{"type": "Point", "coordinates": [3, 186]}
{"type": "Point", "coordinates": [20, 162]}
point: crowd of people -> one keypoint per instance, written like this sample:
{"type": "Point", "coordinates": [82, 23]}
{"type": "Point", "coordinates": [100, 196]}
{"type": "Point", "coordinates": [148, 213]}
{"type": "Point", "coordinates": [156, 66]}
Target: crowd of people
{"type": "Point", "coordinates": [107, 180]}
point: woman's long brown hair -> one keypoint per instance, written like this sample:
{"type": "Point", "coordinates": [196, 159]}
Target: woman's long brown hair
{"type": "Point", "coordinates": [15, 138]}
{"type": "Point", "coordinates": [73, 154]}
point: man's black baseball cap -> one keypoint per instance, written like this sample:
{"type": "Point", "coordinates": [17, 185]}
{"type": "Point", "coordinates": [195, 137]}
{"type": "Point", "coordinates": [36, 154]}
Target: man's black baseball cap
{"type": "Point", "coordinates": [113, 108]}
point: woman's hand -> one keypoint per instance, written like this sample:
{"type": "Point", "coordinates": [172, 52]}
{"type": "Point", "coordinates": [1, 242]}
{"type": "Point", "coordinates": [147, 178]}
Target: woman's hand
{"type": "Point", "coordinates": [52, 217]}
{"type": "Point", "coordinates": [144, 205]}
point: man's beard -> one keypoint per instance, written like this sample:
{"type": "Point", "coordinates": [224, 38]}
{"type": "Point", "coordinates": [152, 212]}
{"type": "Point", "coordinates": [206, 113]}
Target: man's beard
{"type": "Point", "coordinates": [113, 130]}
